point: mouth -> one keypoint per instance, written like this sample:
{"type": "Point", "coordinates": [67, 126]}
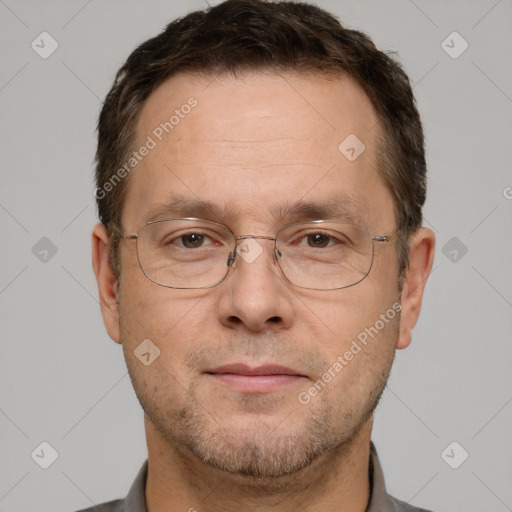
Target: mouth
{"type": "Point", "coordinates": [260, 379]}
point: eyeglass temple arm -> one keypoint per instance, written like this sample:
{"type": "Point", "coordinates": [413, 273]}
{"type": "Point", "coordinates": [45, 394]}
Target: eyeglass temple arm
{"type": "Point", "coordinates": [384, 238]}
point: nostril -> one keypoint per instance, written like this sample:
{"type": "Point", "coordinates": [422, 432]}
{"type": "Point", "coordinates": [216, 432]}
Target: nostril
{"type": "Point", "coordinates": [274, 319]}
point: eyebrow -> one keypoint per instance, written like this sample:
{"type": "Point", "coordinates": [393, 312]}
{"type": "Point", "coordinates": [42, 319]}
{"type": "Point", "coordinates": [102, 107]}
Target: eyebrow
{"type": "Point", "coordinates": [181, 206]}
{"type": "Point", "coordinates": [336, 207]}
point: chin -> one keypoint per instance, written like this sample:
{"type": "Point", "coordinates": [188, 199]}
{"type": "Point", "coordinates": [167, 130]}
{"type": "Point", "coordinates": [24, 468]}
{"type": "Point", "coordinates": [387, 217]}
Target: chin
{"type": "Point", "coordinates": [256, 449]}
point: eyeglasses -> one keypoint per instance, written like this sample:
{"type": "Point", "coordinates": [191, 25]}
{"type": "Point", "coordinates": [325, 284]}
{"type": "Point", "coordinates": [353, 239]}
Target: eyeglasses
{"type": "Point", "coordinates": [193, 253]}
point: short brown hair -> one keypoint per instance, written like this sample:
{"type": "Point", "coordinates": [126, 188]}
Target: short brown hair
{"type": "Point", "coordinates": [246, 35]}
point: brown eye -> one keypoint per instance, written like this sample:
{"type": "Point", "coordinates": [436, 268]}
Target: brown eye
{"type": "Point", "coordinates": [318, 240]}
{"type": "Point", "coordinates": [192, 241]}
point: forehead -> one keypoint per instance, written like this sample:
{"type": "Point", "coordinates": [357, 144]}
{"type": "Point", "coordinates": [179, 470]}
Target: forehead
{"type": "Point", "coordinates": [252, 142]}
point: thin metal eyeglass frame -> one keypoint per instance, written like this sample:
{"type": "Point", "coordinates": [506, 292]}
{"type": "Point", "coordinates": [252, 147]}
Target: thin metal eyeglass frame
{"type": "Point", "coordinates": [232, 254]}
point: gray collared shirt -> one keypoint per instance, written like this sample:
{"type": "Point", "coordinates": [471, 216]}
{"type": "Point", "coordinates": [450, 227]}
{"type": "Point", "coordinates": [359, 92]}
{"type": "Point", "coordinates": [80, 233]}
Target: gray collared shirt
{"type": "Point", "coordinates": [380, 500]}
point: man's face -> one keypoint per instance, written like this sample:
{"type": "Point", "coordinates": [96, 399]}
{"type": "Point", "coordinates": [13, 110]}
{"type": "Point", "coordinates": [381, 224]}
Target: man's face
{"type": "Point", "coordinates": [251, 147]}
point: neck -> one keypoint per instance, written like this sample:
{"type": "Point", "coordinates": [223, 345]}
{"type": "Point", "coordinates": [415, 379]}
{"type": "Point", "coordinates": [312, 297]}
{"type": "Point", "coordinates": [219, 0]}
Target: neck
{"type": "Point", "coordinates": [335, 482]}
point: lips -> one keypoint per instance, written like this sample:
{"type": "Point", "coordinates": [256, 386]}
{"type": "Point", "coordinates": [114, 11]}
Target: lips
{"type": "Point", "coordinates": [260, 379]}
{"type": "Point", "coordinates": [243, 369]}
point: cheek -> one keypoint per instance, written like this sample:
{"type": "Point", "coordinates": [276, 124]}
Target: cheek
{"type": "Point", "coordinates": [343, 315]}
{"type": "Point", "coordinates": [174, 320]}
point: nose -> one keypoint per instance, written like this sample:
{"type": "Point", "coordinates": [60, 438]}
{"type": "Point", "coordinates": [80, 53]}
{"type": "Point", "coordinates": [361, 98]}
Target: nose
{"type": "Point", "coordinates": [255, 296]}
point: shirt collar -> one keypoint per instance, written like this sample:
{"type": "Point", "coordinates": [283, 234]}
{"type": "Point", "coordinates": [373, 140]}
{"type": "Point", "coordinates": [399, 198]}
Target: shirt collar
{"type": "Point", "coordinates": [135, 499]}
{"type": "Point", "coordinates": [379, 499]}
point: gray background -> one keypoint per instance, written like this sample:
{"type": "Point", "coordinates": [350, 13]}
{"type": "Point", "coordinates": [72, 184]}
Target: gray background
{"type": "Point", "coordinates": [64, 381]}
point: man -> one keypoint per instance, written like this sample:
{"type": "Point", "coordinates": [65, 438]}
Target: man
{"type": "Point", "coordinates": [260, 256]}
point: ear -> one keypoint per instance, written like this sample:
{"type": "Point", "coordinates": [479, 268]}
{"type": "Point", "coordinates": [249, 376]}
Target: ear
{"type": "Point", "coordinates": [106, 281]}
{"type": "Point", "coordinates": [421, 258]}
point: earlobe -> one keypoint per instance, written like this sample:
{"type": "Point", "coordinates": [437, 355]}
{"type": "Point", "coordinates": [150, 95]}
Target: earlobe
{"type": "Point", "coordinates": [106, 281]}
{"type": "Point", "coordinates": [421, 258]}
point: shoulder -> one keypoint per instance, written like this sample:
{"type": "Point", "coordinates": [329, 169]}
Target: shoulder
{"type": "Point", "coordinates": [402, 506]}
{"type": "Point", "coordinates": [111, 506]}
